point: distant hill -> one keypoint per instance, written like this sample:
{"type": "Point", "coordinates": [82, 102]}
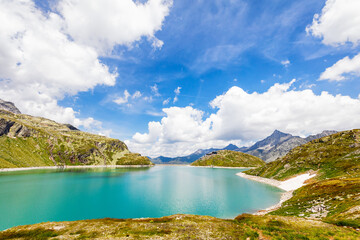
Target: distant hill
{"type": "Point", "coordinates": [333, 195]}
{"type": "Point", "coordinates": [228, 158]}
{"type": "Point", "coordinates": [27, 141]}
{"type": "Point", "coordinates": [277, 145]}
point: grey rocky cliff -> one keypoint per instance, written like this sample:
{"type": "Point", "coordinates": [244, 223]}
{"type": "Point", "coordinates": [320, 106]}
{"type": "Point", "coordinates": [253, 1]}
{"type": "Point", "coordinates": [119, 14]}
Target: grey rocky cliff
{"type": "Point", "coordinates": [320, 135]}
{"type": "Point", "coordinates": [274, 139]}
{"type": "Point", "coordinates": [9, 106]}
{"type": "Point", "coordinates": [278, 150]}
{"type": "Point", "coordinates": [13, 129]}
{"type": "Point", "coordinates": [8, 127]}
{"type": "Point", "coordinates": [279, 144]}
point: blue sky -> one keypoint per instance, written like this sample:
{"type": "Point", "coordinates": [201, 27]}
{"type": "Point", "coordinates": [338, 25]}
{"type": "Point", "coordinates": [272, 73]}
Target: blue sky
{"type": "Point", "coordinates": [208, 44]}
{"type": "Point", "coordinates": [207, 48]}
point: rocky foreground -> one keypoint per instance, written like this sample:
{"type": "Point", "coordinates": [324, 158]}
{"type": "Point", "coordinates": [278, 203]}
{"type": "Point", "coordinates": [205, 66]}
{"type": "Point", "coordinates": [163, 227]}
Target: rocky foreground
{"type": "Point", "coordinates": [184, 227]}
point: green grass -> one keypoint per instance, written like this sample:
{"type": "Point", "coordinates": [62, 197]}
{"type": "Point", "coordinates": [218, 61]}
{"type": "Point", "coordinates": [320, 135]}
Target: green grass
{"type": "Point", "coordinates": [276, 227]}
{"type": "Point", "coordinates": [47, 143]}
{"type": "Point", "coordinates": [245, 226]}
{"type": "Point", "coordinates": [340, 198]}
{"type": "Point", "coordinates": [34, 234]}
{"type": "Point", "coordinates": [227, 158]}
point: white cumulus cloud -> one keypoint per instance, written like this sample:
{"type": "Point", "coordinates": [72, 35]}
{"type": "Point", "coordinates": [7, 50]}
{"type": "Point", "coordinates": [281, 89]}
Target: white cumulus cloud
{"type": "Point", "coordinates": [243, 117]}
{"type": "Point", "coordinates": [338, 23]}
{"type": "Point", "coordinates": [103, 24]}
{"type": "Point", "coordinates": [45, 57]}
{"type": "Point", "coordinates": [39, 65]}
{"type": "Point", "coordinates": [341, 68]}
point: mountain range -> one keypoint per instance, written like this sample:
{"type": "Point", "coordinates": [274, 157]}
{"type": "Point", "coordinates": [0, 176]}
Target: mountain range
{"type": "Point", "coordinates": [278, 144]}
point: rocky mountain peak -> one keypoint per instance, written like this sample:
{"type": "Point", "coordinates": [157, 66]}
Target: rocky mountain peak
{"type": "Point", "coordinates": [277, 134]}
{"type": "Point", "coordinates": [9, 106]}
{"type": "Point", "coordinates": [275, 138]}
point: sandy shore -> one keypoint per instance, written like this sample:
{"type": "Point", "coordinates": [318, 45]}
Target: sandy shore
{"type": "Point", "coordinates": [72, 167]}
{"type": "Point", "coordinates": [272, 182]}
{"type": "Point", "coordinates": [289, 186]}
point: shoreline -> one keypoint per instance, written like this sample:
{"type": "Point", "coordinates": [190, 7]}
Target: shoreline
{"type": "Point", "coordinates": [268, 181]}
{"type": "Point", "coordinates": [71, 167]}
{"type": "Point", "coordinates": [289, 186]}
{"type": "Point", "coordinates": [222, 167]}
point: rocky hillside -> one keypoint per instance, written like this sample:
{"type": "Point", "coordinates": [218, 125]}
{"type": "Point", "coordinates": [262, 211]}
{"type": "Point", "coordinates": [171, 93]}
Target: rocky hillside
{"type": "Point", "coordinates": [333, 195]}
{"type": "Point", "coordinates": [227, 158]}
{"type": "Point", "coordinates": [27, 141]}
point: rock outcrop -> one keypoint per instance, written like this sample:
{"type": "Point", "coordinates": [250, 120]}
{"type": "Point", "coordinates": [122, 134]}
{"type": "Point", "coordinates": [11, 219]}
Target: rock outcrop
{"type": "Point", "coordinates": [9, 106]}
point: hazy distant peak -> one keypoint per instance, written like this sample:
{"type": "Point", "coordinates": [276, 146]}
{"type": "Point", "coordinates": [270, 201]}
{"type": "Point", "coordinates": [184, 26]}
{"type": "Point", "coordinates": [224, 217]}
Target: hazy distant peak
{"type": "Point", "coordinates": [231, 147]}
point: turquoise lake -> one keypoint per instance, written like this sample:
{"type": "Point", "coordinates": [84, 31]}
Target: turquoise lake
{"type": "Point", "coordinates": [35, 196]}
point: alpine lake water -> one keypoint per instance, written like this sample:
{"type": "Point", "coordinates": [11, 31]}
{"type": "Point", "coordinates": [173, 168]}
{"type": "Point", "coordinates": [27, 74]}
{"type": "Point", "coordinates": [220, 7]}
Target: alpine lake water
{"type": "Point", "coordinates": [35, 196]}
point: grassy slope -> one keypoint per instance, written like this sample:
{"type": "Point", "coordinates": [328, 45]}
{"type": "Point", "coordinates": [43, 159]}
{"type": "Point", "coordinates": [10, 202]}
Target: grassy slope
{"type": "Point", "coordinates": [184, 227]}
{"type": "Point", "coordinates": [48, 143]}
{"type": "Point", "coordinates": [227, 158]}
{"type": "Point", "coordinates": [334, 195]}
{"type": "Point", "coordinates": [334, 155]}
{"type": "Point", "coordinates": [334, 201]}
